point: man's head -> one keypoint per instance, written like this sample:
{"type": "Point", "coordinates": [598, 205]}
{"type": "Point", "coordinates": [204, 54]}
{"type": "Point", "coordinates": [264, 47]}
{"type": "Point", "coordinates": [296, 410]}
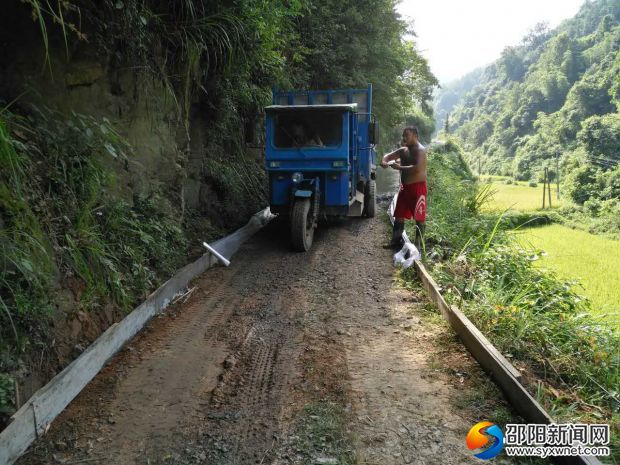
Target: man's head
{"type": "Point", "coordinates": [299, 133]}
{"type": "Point", "coordinates": [410, 135]}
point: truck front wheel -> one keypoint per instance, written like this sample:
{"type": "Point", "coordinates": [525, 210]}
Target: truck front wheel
{"type": "Point", "coordinates": [370, 198]}
{"type": "Point", "coordinates": [302, 225]}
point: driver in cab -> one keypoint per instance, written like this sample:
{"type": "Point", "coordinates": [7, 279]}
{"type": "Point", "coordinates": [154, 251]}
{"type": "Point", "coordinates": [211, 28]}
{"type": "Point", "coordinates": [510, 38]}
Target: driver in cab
{"type": "Point", "coordinates": [300, 137]}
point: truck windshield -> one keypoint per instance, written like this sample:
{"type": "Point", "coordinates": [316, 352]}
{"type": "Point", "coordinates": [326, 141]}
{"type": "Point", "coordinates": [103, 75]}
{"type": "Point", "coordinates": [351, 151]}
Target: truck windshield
{"type": "Point", "coordinates": [308, 129]}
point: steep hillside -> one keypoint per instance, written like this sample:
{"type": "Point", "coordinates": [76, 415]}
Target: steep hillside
{"type": "Point", "coordinates": [552, 101]}
{"type": "Point", "coordinates": [450, 95]}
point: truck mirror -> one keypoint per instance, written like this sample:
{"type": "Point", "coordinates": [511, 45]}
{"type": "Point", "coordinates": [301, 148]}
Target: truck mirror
{"type": "Point", "coordinates": [373, 133]}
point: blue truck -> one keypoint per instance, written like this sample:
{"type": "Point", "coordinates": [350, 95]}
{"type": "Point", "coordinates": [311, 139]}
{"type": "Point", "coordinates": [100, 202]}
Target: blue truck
{"type": "Point", "coordinates": [320, 157]}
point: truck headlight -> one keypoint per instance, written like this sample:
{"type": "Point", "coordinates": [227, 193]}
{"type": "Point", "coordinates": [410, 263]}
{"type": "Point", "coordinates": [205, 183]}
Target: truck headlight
{"type": "Point", "coordinates": [338, 164]}
{"type": "Point", "coordinates": [297, 178]}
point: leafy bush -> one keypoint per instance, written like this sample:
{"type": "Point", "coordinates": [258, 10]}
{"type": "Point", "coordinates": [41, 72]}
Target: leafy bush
{"type": "Point", "coordinates": [532, 184]}
{"type": "Point", "coordinates": [588, 184]}
{"type": "Point", "coordinates": [580, 184]}
{"type": "Point", "coordinates": [592, 206]}
{"type": "Point", "coordinates": [609, 181]}
{"type": "Point", "coordinates": [7, 388]}
{"type": "Point", "coordinates": [519, 219]}
{"type": "Point", "coordinates": [60, 223]}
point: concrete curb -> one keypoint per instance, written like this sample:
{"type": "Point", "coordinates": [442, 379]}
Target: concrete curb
{"type": "Point", "coordinates": [493, 362]}
{"type": "Point", "coordinates": [35, 416]}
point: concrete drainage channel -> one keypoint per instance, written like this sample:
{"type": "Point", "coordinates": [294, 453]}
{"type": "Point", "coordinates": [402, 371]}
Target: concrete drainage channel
{"type": "Point", "coordinates": [35, 416]}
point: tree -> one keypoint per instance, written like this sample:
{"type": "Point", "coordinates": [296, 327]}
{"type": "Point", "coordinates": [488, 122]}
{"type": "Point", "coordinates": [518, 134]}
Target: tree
{"type": "Point", "coordinates": [580, 184]}
{"type": "Point", "coordinates": [352, 43]}
{"type": "Point", "coordinates": [511, 64]}
{"type": "Point", "coordinates": [600, 136]}
{"type": "Point", "coordinates": [537, 35]}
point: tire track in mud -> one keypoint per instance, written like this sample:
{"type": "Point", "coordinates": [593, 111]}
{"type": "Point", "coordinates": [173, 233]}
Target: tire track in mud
{"type": "Point", "coordinates": [254, 389]}
{"type": "Point", "coordinates": [240, 416]}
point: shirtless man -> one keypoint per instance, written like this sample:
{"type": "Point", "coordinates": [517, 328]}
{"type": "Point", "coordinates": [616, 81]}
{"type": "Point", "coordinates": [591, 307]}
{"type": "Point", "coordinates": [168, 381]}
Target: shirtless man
{"type": "Point", "coordinates": [411, 201]}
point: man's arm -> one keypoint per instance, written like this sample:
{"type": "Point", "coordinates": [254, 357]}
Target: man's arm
{"type": "Point", "coordinates": [415, 167]}
{"type": "Point", "coordinates": [395, 155]}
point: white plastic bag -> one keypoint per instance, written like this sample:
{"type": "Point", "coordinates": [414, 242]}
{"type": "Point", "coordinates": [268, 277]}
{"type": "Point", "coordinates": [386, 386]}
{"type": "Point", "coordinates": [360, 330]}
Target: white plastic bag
{"type": "Point", "coordinates": [409, 253]}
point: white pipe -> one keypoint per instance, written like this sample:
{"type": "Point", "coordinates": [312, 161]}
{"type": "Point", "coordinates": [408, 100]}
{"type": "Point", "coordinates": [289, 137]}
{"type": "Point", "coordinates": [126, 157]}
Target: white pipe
{"type": "Point", "coordinates": [217, 254]}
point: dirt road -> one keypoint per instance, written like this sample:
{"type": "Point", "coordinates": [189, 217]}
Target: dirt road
{"type": "Point", "coordinates": [317, 358]}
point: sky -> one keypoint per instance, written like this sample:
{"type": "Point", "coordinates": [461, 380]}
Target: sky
{"type": "Point", "coordinates": [459, 36]}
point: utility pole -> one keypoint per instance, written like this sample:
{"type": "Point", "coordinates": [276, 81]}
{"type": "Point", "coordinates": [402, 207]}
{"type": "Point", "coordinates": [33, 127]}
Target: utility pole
{"type": "Point", "coordinates": [557, 173]}
{"type": "Point", "coordinates": [544, 186]}
{"type": "Point", "coordinates": [549, 188]}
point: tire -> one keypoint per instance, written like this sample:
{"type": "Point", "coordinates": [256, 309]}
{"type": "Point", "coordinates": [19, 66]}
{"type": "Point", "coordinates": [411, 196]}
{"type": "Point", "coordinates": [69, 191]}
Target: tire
{"type": "Point", "coordinates": [370, 199]}
{"type": "Point", "coordinates": [302, 227]}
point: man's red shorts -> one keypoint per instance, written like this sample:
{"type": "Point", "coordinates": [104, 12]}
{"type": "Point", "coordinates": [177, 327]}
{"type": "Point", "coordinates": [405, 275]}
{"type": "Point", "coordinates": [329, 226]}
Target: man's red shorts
{"type": "Point", "coordinates": [411, 202]}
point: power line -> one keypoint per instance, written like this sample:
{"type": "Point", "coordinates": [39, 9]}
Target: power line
{"type": "Point", "coordinates": [599, 157]}
{"type": "Point", "coordinates": [605, 162]}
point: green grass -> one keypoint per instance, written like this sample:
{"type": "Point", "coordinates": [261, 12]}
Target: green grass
{"type": "Point", "coordinates": [493, 177]}
{"type": "Point", "coordinates": [322, 432]}
{"type": "Point", "coordinates": [519, 197]}
{"type": "Point", "coordinates": [577, 255]}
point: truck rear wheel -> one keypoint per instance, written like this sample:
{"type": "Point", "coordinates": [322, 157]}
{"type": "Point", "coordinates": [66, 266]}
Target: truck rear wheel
{"type": "Point", "coordinates": [370, 198]}
{"type": "Point", "coordinates": [302, 227]}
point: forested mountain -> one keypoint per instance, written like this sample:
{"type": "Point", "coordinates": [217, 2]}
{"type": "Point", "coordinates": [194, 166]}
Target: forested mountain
{"type": "Point", "coordinates": [553, 98]}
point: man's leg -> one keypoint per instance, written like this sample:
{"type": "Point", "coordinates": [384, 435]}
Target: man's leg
{"type": "Point", "coordinates": [419, 235]}
{"type": "Point", "coordinates": [420, 216]}
{"type": "Point", "coordinates": [397, 234]}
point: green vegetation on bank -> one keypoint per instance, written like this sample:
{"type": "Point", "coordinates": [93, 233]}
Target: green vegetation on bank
{"type": "Point", "coordinates": [62, 228]}
{"type": "Point", "coordinates": [228, 55]}
{"type": "Point", "coordinates": [530, 315]}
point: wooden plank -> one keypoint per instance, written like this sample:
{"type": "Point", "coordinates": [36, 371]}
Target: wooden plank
{"type": "Point", "coordinates": [466, 329]}
{"type": "Point", "coordinates": [34, 417]}
{"type": "Point", "coordinates": [493, 362]}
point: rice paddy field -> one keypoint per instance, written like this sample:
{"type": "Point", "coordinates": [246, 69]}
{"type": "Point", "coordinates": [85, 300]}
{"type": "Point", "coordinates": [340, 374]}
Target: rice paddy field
{"type": "Point", "coordinates": [519, 196]}
{"type": "Point", "coordinates": [577, 255]}
{"type": "Point", "coordinates": [593, 261]}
